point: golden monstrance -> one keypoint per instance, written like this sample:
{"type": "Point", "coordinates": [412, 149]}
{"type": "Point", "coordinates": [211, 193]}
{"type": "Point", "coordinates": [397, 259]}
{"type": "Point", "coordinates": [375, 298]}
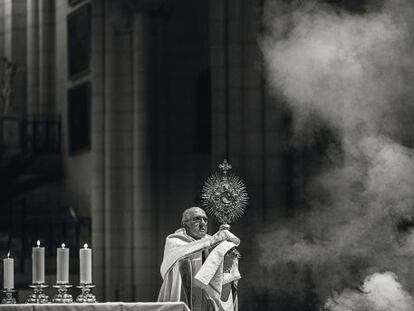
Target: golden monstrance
{"type": "Point", "coordinates": [224, 196]}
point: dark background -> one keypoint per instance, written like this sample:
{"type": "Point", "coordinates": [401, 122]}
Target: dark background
{"type": "Point", "coordinates": [123, 109]}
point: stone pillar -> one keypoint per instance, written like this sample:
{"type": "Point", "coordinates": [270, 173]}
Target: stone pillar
{"type": "Point", "coordinates": [112, 150]}
{"type": "Point", "coordinates": [15, 48]}
{"type": "Point", "coordinates": [46, 56]}
{"type": "Point", "coordinates": [145, 271]}
{"type": "Point", "coordinates": [236, 106]}
{"type": "Point", "coordinates": [98, 203]}
{"type": "Point", "coordinates": [7, 24]}
{"type": "Point", "coordinates": [2, 23]}
{"type": "Point", "coordinates": [40, 56]}
{"type": "Point", "coordinates": [122, 206]}
{"type": "Point", "coordinates": [33, 56]}
{"type": "Point", "coordinates": [118, 165]}
{"type": "Point", "coordinates": [246, 122]}
{"type": "Point", "coordinates": [226, 48]}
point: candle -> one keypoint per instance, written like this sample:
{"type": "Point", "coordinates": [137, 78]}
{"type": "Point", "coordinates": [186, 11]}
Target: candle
{"type": "Point", "coordinates": [38, 264]}
{"type": "Point", "coordinates": [85, 264]}
{"type": "Point", "coordinates": [62, 266]}
{"type": "Point", "coordinates": [8, 272]}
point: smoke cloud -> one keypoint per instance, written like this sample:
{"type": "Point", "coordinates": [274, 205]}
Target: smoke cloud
{"type": "Point", "coordinates": [353, 75]}
{"type": "Point", "coordinates": [380, 292]}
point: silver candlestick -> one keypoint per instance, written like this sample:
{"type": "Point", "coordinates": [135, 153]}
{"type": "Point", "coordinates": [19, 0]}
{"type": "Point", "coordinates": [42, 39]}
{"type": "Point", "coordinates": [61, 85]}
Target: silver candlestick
{"type": "Point", "coordinates": [62, 296]}
{"type": "Point", "coordinates": [9, 299]}
{"type": "Point", "coordinates": [86, 295]}
{"type": "Point", "coordinates": [38, 296]}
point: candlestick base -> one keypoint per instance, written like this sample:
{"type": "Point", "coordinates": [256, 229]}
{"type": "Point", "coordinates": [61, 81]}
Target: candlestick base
{"type": "Point", "coordinates": [38, 296]}
{"type": "Point", "coordinates": [86, 296]}
{"type": "Point", "coordinates": [62, 296]}
{"type": "Point", "coordinates": [9, 299]}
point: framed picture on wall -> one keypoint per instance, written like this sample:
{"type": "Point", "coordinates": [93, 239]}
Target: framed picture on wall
{"type": "Point", "coordinates": [79, 118]}
{"type": "Point", "coordinates": [79, 42]}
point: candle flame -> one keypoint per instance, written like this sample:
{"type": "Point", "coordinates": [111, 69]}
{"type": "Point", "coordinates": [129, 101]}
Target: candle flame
{"type": "Point", "coordinates": [38, 243]}
{"type": "Point", "coordinates": [8, 254]}
{"type": "Point", "coordinates": [63, 245]}
{"type": "Point", "coordinates": [85, 245]}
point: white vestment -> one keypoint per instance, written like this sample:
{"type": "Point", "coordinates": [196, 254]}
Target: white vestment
{"type": "Point", "coordinates": [195, 276]}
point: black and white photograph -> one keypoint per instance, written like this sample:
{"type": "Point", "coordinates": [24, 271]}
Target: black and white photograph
{"type": "Point", "coordinates": [206, 155]}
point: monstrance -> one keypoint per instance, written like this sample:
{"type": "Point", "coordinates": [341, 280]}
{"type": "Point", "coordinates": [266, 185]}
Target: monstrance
{"type": "Point", "coordinates": [224, 196]}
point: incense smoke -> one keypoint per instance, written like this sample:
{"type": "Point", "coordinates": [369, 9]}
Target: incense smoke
{"type": "Point", "coordinates": [379, 292]}
{"type": "Point", "coordinates": [351, 75]}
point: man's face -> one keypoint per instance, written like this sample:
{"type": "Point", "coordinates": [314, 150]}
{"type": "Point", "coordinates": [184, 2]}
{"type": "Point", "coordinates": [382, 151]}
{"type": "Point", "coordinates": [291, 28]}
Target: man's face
{"type": "Point", "coordinates": [196, 225]}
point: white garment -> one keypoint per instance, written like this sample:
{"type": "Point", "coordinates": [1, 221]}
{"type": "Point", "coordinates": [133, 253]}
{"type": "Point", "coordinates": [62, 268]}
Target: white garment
{"type": "Point", "coordinates": [181, 251]}
{"type": "Point", "coordinates": [211, 276]}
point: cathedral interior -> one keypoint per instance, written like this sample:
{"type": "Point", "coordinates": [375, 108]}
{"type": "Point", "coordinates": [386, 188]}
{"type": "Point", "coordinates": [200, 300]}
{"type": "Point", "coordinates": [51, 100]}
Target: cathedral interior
{"type": "Point", "coordinates": [119, 110]}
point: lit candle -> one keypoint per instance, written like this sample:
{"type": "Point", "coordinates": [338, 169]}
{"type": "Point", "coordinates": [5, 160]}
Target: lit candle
{"type": "Point", "coordinates": [38, 264]}
{"type": "Point", "coordinates": [62, 266]}
{"type": "Point", "coordinates": [8, 272]}
{"type": "Point", "coordinates": [85, 264]}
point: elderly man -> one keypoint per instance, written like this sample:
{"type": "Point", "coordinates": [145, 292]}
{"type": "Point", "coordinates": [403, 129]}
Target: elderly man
{"type": "Point", "coordinates": [200, 269]}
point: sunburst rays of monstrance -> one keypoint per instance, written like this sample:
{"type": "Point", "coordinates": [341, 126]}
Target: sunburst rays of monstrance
{"type": "Point", "coordinates": [224, 196]}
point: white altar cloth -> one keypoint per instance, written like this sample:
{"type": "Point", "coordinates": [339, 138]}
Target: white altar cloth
{"type": "Point", "coordinates": [108, 306]}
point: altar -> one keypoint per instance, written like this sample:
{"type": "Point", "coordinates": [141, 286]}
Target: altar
{"type": "Point", "coordinates": [108, 306]}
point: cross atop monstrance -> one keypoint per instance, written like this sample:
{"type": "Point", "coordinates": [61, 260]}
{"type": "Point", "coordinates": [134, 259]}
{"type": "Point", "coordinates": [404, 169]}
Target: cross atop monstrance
{"type": "Point", "coordinates": [224, 196]}
{"type": "Point", "coordinates": [225, 167]}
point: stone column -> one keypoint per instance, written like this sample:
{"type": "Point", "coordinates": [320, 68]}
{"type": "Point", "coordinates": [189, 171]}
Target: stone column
{"type": "Point", "coordinates": [112, 150]}
{"type": "Point", "coordinates": [2, 28]}
{"type": "Point", "coordinates": [246, 123]}
{"type": "Point", "coordinates": [14, 19]}
{"type": "Point", "coordinates": [46, 50]}
{"type": "Point", "coordinates": [98, 203]}
{"type": "Point", "coordinates": [7, 28]}
{"type": "Point", "coordinates": [33, 56]}
{"type": "Point", "coordinates": [40, 56]}
{"type": "Point", "coordinates": [144, 249]}
{"type": "Point", "coordinates": [252, 122]}
{"type": "Point", "coordinates": [122, 206]}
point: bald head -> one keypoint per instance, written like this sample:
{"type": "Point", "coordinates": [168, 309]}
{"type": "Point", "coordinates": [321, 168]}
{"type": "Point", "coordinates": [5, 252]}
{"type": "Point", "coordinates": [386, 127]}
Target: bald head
{"type": "Point", "coordinates": [194, 221]}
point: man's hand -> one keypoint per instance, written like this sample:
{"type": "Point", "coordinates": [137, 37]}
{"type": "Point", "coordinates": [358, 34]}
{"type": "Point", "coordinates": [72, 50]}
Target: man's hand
{"type": "Point", "coordinates": [229, 259]}
{"type": "Point", "coordinates": [224, 235]}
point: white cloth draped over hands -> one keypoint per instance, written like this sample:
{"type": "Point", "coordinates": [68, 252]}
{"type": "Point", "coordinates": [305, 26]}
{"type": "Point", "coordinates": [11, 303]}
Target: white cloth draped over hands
{"type": "Point", "coordinates": [180, 247]}
{"type": "Point", "coordinates": [211, 276]}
